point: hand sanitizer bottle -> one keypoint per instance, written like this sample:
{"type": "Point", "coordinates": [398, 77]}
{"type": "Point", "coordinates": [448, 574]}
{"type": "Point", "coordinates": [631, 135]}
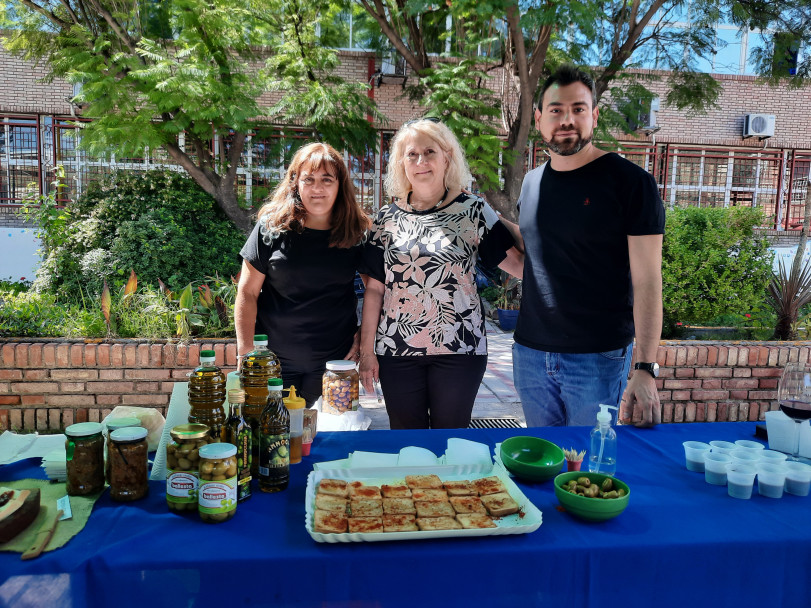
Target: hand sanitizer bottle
{"type": "Point", "coordinates": [603, 453]}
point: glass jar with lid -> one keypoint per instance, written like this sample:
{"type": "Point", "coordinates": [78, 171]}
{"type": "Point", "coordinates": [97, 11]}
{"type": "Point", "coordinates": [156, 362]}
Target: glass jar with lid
{"type": "Point", "coordinates": [339, 387]}
{"type": "Point", "coordinates": [129, 479]}
{"type": "Point", "coordinates": [84, 453]}
{"type": "Point", "coordinates": [182, 465]}
{"type": "Point", "coordinates": [111, 425]}
{"type": "Point", "coordinates": [218, 482]}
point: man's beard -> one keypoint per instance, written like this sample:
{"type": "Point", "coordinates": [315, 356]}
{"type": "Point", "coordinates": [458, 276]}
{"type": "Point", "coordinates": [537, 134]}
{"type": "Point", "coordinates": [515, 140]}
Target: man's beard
{"type": "Point", "coordinates": [568, 147]}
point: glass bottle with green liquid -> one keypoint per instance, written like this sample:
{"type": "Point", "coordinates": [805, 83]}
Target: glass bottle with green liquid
{"type": "Point", "coordinates": [207, 396]}
{"type": "Point", "coordinates": [274, 447]}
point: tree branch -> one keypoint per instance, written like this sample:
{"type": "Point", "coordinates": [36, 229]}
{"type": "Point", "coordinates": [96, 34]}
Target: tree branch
{"type": "Point", "coordinates": [378, 12]}
{"type": "Point", "coordinates": [46, 13]}
{"type": "Point", "coordinates": [118, 30]}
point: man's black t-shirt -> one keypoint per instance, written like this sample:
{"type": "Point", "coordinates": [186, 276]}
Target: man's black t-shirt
{"type": "Point", "coordinates": [577, 294]}
{"type": "Point", "coordinates": [308, 304]}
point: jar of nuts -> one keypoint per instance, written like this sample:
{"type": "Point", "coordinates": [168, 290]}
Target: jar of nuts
{"type": "Point", "coordinates": [217, 501]}
{"type": "Point", "coordinates": [128, 464]}
{"type": "Point", "coordinates": [84, 452]}
{"type": "Point", "coordinates": [339, 387]}
{"type": "Point", "coordinates": [182, 465]}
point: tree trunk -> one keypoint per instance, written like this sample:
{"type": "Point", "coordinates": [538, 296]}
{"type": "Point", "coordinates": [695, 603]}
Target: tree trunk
{"type": "Point", "coordinates": [798, 256]}
{"type": "Point", "coordinates": [226, 197]}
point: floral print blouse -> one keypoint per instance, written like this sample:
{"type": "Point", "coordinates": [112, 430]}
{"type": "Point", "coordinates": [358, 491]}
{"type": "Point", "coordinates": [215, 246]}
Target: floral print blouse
{"type": "Point", "coordinates": [427, 261]}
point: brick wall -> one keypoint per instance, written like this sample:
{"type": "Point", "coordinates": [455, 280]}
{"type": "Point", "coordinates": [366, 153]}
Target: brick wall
{"type": "Point", "coordinates": [50, 385]}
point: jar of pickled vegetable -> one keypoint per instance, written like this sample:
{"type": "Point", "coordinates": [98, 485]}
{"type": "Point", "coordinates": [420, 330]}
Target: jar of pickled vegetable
{"type": "Point", "coordinates": [217, 500]}
{"type": "Point", "coordinates": [113, 424]}
{"type": "Point", "coordinates": [129, 479]}
{"type": "Point", "coordinates": [84, 453]}
{"type": "Point", "coordinates": [182, 465]}
{"type": "Point", "coordinates": [339, 387]}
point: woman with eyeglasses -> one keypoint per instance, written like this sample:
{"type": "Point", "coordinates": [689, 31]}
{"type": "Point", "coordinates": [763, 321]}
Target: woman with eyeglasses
{"type": "Point", "coordinates": [298, 270]}
{"type": "Point", "coordinates": [423, 331]}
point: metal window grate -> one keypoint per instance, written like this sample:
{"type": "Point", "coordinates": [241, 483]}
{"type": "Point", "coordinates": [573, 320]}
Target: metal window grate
{"type": "Point", "coordinates": [496, 423]}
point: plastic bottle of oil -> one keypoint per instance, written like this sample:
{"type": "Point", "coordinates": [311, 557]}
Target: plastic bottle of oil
{"type": "Point", "coordinates": [207, 395]}
{"type": "Point", "coordinates": [258, 366]}
{"type": "Point", "coordinates": [274, 449]}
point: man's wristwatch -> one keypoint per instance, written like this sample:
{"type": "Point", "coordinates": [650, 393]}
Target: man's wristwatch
{"type": "Point", "coordinates": [651, 368]}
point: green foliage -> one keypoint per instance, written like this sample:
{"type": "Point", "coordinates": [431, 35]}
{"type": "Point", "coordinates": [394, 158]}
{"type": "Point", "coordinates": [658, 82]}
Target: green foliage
{"type": "Point", "coordinates": [159, 224]}
{"type": "Point", "coordinates": [712, 263]}
{"type": "Point", "coordinates": [788, 293]}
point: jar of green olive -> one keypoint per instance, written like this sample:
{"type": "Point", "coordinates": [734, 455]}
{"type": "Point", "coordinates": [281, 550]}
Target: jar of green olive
{"type": "Point", "coordinates": [218, 482]}
{"type": "Point", "coordinates": [84, 453]}
{"type": "Point", "coordinates": [129, 478]}
{"type": "Point", "coordinates": [182, 465]}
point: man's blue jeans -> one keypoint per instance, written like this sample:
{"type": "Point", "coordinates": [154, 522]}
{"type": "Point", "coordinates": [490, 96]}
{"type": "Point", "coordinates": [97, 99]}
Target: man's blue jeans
{"type": "Point", "coordinates": [565, 389]}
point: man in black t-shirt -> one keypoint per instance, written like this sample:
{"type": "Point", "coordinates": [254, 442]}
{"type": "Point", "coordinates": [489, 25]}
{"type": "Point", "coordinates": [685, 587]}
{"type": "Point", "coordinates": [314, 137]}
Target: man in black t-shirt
{"type": "Point", "coordinates": [592, 224]}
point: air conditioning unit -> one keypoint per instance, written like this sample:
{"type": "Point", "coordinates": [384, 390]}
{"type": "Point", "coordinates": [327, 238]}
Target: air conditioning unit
{"type": "Point", "coordinates": [393, 64]}
{"type": "Point", "coordinates": [758, 125]}
{"type": "Point", "coordinates": [647, 120]}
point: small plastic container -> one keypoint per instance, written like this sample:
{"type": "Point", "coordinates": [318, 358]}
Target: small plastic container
{"type": "Point", "coordinates": [129, 478]}
{"type": "Point", "coordinates": [715, 468]}
{"type": "Point", "coordinates": [340, 388]}
{"type": "Point", "coordinates": [182, 466]}
{"type": "Point", "coordinates": [748, 444]}
{"type": "Point", "coordinates": [798, 478]}
{"type": "Point", "coordinates": [217, 499]}
{"type": "Point", "coordinates": [744, 456]}
{"type": "Point", "coordinates": [771, 479]}
{"type": "Point", "coordinates": [295, 406]}
{"type": "Point", "coordinates": [84, 453]}
{"type": "Point", "coordinates": [722, 447]}
{"type": "Point", "coordinates": [772, 456]}
{"type": "Point", "coordinates": [694, 453]}
{"type": "Point", "coordinates": [113, 424]}
{"type": "Point", "coordinates": [740, 479]}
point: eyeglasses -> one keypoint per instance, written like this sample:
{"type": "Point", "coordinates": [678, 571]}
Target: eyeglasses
{"type": "Point", "coordinates": [432, 119]}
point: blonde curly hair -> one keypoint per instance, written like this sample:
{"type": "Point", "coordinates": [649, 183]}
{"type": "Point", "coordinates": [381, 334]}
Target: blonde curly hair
{"type": "Point", "coordinates": [457, 173]}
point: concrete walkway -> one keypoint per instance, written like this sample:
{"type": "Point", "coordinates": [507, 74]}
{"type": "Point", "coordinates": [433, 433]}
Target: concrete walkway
{"type": "Point", "coordinates": [496, 398]}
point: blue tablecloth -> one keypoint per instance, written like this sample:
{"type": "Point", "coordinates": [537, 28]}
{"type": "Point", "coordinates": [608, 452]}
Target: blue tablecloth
{"type": "Point", "coordinates": [681, 542]}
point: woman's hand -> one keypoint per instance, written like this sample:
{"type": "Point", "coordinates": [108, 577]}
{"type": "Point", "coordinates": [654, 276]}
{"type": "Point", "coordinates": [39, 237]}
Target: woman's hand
{"type": "Point", "coordinates": [369, 372]}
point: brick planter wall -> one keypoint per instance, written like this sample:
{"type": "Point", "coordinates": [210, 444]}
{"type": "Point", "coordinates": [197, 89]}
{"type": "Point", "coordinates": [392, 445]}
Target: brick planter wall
{"type": "Point", "coordinates": [52, 384]}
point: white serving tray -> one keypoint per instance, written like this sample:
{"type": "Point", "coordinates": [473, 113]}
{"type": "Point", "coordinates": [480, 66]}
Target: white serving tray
{"type": "Point", "coordinates": [528, 519]}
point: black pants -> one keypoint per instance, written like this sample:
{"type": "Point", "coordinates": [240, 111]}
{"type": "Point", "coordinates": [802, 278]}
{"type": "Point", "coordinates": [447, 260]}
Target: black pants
{"type": "Point", "coordinates": [432, 391]}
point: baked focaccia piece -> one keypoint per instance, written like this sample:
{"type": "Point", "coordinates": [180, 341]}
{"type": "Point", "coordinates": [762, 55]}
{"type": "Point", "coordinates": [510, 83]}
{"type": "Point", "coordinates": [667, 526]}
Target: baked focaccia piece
{"type": "Point", "coordinates": [438, 523]}
{"type": "Point", "coordinates": [474, 520]}
{"type": "Point", "coordinates": [489, 485]}
{"type": "Point", "coordinates": [334, 487]}
{"type": "Point", "coordinates": [500, 504]}
{"type": "Point", "coordinates": [423, 481]}
{"type": "Point", "coordinates": [366, 524]}
{"type": "Point", "coordinates": [395, 491]}
{"type": "Point", "coordinates": [434, 508]}
{"type": "Point", "coordinates": [328, 502]}
{"type": "Point", "coordinates": [329, 522]}
{"type": "Point", "coordinates": [399, 506]}
{"type": "Point", "coordinates": [460, 488]}
{"type": "Point", "coordinates": [358, 490]}
{"type": "Point", "coordinates": [467, 504]}
{"type": "Point", "coordinates": [429, 494]}
{"type": "Point", "coordinates": [365, 507]}
{"type": "Point", "coordinates": [399, 523]}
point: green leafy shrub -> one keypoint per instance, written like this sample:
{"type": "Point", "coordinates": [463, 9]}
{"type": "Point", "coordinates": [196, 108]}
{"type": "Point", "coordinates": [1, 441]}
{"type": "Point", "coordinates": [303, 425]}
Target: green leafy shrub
{"type": "Point", "coordinates": [160, 224]}
{"type": "Point", "coordinates": [713, 264]}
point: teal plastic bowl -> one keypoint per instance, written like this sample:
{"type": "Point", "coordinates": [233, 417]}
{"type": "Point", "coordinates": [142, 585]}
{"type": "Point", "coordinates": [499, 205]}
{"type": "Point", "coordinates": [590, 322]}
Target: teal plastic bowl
{"type": "Point", "coordinates": [591, 509]}
{"type": "Point", "coordinates": [531, 458]}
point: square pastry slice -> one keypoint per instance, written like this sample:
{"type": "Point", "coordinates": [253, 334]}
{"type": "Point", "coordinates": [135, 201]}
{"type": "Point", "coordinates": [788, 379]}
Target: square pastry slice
{"type": "Point", "coordinates": [474, 520]}
{"type": "Point", "coordinates": [366, 524]}
{"type": "Point", "coordinates": [434, 509]}
{"type": "Point", "coordinates": [500, 504]}
{"type": "Point", "coordinates": [329, 522]}
{"type": "Point", "coordinates": [365, 507]}
{"type": "Point", "coordinates": [334, 487]}
{"type": "Point", "coordinates": [358, 490]}
{"type": "Point", "coordinates": [489, 485]}
{"type": "Point", "coordinates": [399, 523]}
{"type": "Point", "coordinates": [460, 488]}
{"type": "Point", "coordinates": [399, 506]}
{"type": "Point", "coordinates": [429, 494]}
{"type": "Point", "coordinates": [467, 504]}
{"type": "Point", "coordinates": [438, 523]}
{"type": "Point", "coordinates": [395, 491]}
{"type": "Point", "coordinates": [423, 481]}
{"type": "Point", "coordinates": [328, 502]}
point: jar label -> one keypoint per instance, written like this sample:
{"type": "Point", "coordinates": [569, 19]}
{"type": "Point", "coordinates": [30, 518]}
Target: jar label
{"type": "Point", "coordinates": [274, 454]}
{"type": "Point", "coordinates": [181, 487]}
{"type": "Point", "coordinates": [218, 496]}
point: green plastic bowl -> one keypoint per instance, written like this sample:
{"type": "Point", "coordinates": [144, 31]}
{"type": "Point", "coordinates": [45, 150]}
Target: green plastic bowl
{"type": "Point", "coordinates": [531, 458]}
{"type": "Point", "coordinates": [591, 509]}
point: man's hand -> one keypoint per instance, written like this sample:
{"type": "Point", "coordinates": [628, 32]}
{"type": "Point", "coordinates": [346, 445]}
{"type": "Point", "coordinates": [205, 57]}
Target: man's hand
{"type": "Point", "coordinates": [640, 402]}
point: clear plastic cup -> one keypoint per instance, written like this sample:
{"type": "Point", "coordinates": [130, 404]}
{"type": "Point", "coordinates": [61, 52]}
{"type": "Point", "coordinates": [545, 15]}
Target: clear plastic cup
{"type": "Point", "coordinates": [772, 456]}
{"type": "Point", "coordinates": [722, 447]}
{"type": "Point", "coordinates": [715, 468]}
{"type": "Point", "coordinates": [798, 478]}
{"type": "Point", "coordinates": [747, 444]}
{"type": "Point", "coordinates": [694, 452]}
{"type": "Point", "coordinates": [740, 479]}
{"type": "Point", "coordinates": [771, 479]}
{"type": "Point", "coordinates": [745, 456]}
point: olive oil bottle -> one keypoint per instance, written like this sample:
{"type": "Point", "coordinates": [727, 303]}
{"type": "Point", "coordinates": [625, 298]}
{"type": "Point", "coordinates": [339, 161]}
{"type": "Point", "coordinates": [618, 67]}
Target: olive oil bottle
{"type": "Point", "coordinates": [207, 396]}
{"type": "Point", "coordinates": [239, 433]}
{"type": "Point", "coordinates": [258, 366]}
{"type": "Point", "coordinates": [274, 438]}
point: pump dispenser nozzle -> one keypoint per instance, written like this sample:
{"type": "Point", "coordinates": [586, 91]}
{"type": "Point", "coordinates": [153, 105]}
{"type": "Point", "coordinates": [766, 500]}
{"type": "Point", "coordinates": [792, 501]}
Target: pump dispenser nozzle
{"type": "Point", "coordinates": [604, 416]}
